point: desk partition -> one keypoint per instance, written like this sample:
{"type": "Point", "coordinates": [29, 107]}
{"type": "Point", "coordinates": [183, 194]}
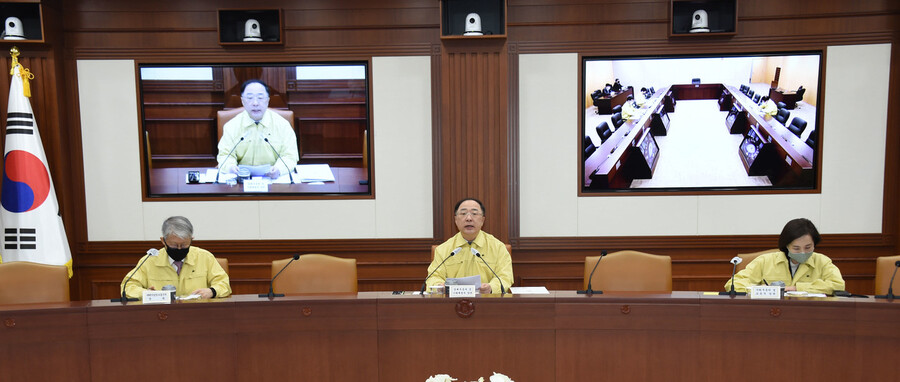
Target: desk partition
{"type": "Point", "coordinates": [377, 336]}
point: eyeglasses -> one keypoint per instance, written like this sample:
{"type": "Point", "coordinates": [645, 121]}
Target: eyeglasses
{"type": "Point", "coordinates": [474, 213]}
{"type": "Point", "coordinates": [258, 98]}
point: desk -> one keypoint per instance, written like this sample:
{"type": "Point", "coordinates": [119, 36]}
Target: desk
{"type": "Point", "coordinates": [790, 99]}
{"type": "Point", "coordinates": [376, 336]}
{"type": "Point", "coordinates": [609, 166]}
{"type": "Point", "coordinates": [606, 104]}
{"type": "Point", "coordinates": [788, 161]}
{"type": "Point", "coordinates": [172, 181]}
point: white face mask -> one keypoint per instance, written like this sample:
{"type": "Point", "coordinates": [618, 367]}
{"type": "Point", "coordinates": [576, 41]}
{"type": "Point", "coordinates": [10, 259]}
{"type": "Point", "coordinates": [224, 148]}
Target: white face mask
{"type": "Point", "coordinates": [800, 257]}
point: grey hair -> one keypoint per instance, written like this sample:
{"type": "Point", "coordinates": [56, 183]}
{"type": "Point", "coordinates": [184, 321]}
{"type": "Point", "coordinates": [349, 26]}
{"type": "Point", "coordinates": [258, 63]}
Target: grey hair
{"type": "Point", "coordinates": [179, 226]}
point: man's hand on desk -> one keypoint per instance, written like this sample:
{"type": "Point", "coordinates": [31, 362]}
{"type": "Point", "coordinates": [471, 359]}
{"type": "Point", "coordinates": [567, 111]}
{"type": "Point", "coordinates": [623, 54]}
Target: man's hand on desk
{"type": "Point", "coordinates": [273, 172]}
{"type": "Point", "coordinates": [485, 288]}
{"type": "Point", "coordinates": [203, 292]}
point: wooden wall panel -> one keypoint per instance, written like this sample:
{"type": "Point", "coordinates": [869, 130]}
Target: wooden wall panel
{"type": "Point", "coordinates": [473, 132]}
{"type": "Point", "coordinates": [475, 110]}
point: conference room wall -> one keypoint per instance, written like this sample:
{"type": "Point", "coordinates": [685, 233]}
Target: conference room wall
{"type": "Point", "coordinates": [401, 107]}
{"type": "Point", "coordinates": [853, 138]}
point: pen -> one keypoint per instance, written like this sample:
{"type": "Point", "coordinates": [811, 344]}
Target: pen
{"type": "Point", "coordinates": [764, 282]}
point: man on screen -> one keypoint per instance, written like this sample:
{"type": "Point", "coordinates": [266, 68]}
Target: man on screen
{"type": "Point", "coordinates": [256, 124]}
{"type": "Point", "coordinates": [191, 270]}
{"type": "Point", "coordinates": [469, 217]}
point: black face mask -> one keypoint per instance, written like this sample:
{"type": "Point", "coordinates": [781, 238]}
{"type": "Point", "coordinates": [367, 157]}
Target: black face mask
{"type": "Point", "coordinates": [176, 253]}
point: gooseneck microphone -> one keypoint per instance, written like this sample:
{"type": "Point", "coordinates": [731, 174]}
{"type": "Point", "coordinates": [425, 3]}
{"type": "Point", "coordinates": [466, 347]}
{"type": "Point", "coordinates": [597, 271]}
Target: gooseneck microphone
{"type": "Point", "coordinates": [589, 291]}
{"type": "Point", "coordinates": [455, 251]}
{"type": "Point", "coordinates": [289, 170]}
{"type": "Point", "coordinates": [890, 293]}
{"type": "Point", "coordinates": [734, 262]}
{"type": "Point", "coordinates": [478, 255]}
{"type": "Point", "coordinates": [272, 293]}
{"type": "Point", "coordinates": [229, 155]}
{"type": "Point", "coordinates": [152, 252]}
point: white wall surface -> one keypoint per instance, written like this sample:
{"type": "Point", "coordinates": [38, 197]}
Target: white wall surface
{"type": "Point", "coordinates": [853, 138]}
{"type": "Point", "coordinates": [401, 88]}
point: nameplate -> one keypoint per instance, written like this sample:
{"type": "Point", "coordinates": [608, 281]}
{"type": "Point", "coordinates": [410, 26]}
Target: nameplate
{"type": "Point", "coordinates": [156, 297]}
{"type": "Point", "coordinates": [765, 292]}
{"type": "Point", "coordinates": [256, 185]}
{"type": "Point", "coordinates": [462, 290]}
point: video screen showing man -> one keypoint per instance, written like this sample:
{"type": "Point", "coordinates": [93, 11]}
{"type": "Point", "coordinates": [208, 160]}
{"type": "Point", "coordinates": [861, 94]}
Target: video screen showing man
{"type": "Point", "coordinates": [469, 218]}
{"type": "Point", "coordinates": [256, 137]}
{"type": "Point", "coordinates": [191, 270]}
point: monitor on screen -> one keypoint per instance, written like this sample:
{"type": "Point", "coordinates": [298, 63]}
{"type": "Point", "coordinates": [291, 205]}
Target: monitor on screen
{"type": "Point", "coordinates": [702, 108]}
{"type": "Point", "coordinates": [184, 108]}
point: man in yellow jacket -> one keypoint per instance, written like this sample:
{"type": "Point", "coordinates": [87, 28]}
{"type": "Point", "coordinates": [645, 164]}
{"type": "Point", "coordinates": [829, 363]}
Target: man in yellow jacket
{"type": "Point", "coordinates": [191, 270]}
{"type": "Point", "coordinates": [469, 217]}
{"type": "Point", "coordinates": [796, 264]}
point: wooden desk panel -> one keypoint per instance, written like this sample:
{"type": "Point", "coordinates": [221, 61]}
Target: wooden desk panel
{"type": "Point", "coordinates": [171, 181]}
{"type": "Point", "coordinates": [44, 342]}
{"type": "Point", "coordinates": [683, 336]}
{"type": "Point", "coordinates": [306, 336]}
{"type": "Point", "coordinates": [162, 342]}
{"type": "Point", "coordinates": [627, 337]}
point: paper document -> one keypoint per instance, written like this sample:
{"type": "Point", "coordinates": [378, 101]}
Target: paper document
{"type": "Point", "coordinates": [314, 173]}
{"type": "Point", "coordinates": [529, 290]}
{"type": "Point", "coordinates": [471, 280]}
{"type": "Point", "coordinates": [797, 293]}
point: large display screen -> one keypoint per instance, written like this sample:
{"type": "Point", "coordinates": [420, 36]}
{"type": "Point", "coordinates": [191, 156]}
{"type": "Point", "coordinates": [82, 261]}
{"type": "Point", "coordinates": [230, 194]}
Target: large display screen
{"type": "Point", "coordinates": [318, 138]}
{"type": "Point", "coordinates": [701, 149]}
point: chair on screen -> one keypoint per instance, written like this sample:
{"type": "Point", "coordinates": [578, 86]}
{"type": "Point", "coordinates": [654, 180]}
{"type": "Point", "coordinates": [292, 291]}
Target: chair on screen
{"type": "Point", "coordinates": [746, 258]}
{"type": "Point", "coordinates": [223, 262]}
{"type": "Point", "coordinates": [223, 116]}
{"type": "Point", "coordinates": [630, 271]}
{"type": "Point", "coordinates": [811, 139]}
{"type": "Point", "coordinates": [617, 109]}
{"type": "Point", "coordinates": [797, 126]}
{"type": "Point", "coordinates": [23, 282]}
{"type": "Point", "coordinates": [782, 116]}
{"type": "Point", "coordinates": [884, 268]}
{"type": "Point", "coordinates": [603, 131]}
{"type": "Point", "coordinates": [315, 273]}
{"type": "Point", "coordinates": [617, 120]}
{"type": "Point", "coordinates": [589, 147]}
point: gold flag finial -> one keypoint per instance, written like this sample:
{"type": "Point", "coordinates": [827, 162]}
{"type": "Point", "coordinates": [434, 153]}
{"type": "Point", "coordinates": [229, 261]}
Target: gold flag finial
{"type": "Point", "coordinates": [14, 52]}
{"type": "Point", "coordinates": [25, 73]}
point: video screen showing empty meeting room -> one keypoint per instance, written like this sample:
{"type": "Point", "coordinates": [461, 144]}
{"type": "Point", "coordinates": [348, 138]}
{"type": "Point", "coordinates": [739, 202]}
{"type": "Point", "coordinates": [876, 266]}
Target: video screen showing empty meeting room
{"type": "Point", "coordinates": [254, 130]}
{"type": "Point", "coordinates": [735, 123]}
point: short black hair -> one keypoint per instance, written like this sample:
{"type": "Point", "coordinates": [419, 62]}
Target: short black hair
{"type": "Point", "coordinates": [796, 229]}
{"type": "Point", "coordinates": [255, 81]}
{"type": "Point", "coordinates": [460, 202]}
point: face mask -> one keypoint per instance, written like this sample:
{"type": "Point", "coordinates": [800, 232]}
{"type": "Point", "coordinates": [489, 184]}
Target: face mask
{"type": "Point", "coordinates": [800, 257]}
{"type": "Point", "coordinates": [176, 253]}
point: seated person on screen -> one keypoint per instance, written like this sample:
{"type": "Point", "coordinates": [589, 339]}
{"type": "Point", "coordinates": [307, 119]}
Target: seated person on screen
{"type": "Point", "coordinates": [796, 265]}
{"type": "Point", "coordinates": [469, 217]}
{"type": "Point", "coordinates": [768, 106]}
{"type": "Point", "coordinates": [254, 123]}
{"type": "Point", "coordinates": [629, 109]}
{"type": "Point", "coordinates": [616, 87]}
{"type": "Point", "coordinates": [189, 269]}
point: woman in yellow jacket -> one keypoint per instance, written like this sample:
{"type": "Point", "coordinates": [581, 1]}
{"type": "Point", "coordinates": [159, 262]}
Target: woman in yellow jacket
{"type": "Point", "coordinates": [796, 264]}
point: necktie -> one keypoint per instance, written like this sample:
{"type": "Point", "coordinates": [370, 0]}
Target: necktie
{"type": "Point", "coordinates": [178, 266]}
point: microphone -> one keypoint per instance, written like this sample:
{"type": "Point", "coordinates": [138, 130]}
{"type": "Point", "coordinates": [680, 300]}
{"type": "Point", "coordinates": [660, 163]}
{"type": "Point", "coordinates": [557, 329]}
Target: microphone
{"type": "Point", "coordinates": [478, 254]}
{"type": "Point", "coordinates": [272, 293]}
{"type": "Point", "coordinates": [455, 251]}
{"type": "Point", "coordinates": [589, 291]}
{"type": "Point", "coordinates": [261, 136]}
{"type": "Point", "coordinates": [734, 262]}
{"type": "Point", "coordinates": [890, 293]}
{"type": "Point", "coordinates": [152, 252]}
{"type": "Point", "coordinates": [229, 154]}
